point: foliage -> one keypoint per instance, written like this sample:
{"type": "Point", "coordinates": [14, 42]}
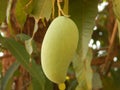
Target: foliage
{"type": "Point", "coordinates": [23, 24]}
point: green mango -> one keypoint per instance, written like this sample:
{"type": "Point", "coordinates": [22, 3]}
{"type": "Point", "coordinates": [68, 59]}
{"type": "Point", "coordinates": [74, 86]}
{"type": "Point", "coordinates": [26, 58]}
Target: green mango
{"type": "Point", "coordinates": [58, 48]}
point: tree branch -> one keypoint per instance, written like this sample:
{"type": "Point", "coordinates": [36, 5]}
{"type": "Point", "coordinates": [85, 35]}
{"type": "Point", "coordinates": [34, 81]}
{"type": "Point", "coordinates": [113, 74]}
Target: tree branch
{"type": "Point", "coordinates": [108, 61]}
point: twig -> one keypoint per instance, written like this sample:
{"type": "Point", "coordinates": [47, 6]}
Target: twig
{"type": "Point", "coordinates": [98, 61]}
{"type": "Point", "coordinates": [108, 62]}
{"type": "Point", "coordinates": [53, 9]}
{"type": "Point", "coordinates": [60, 11]}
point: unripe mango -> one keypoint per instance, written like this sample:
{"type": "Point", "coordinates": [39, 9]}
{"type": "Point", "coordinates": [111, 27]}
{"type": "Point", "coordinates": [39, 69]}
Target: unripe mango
{"type": "Point", "coordinates": [58, 48]}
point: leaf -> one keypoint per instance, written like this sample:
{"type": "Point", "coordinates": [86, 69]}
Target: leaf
{"type": "Point", "coordinates": [3, 8]}
{"type": "Point", "coordinates": [42, 8]}
{"type": "Point", "coordinates": [9, 75]}
{"type": "Point", "coordinates": [116, 8]}
{"type": "Point", "coordinates": [83, 71]}
{"type": "Point", "coordinates": [49, 85]}
{"type": "Point", "coordinates": [97, 83]}
{"type": "Point", "coordinates": [83, 12]}
{"type": "Point", "coordinates": [36, 86]}
{"type": "Point", "coordinates": [9, 84]}
{"type": "Point", "coordinates": [22, 37]}
{"type": "Point", "coordinates": [22, 56]}
{"type": "Point", "coordinates": [88, 73]}
{"type": "Point", "coordinates": [30, 87]}
{"type": "Point", "coordinates": [65, 8]}
{"type": "Point", "coordinates": [28, 46]}
{"type": "Point", "coordinates": [112, 80]}
{"type": "Point", "coordinates": [118, 22]}
{"type": "Point", "coordinates": [29, 42]}
{"type": "Point", "coordinates": [72, 85]}
{"type": "Point", "coordinates": [20, 12]}
{"type": "Point", "coordinates": [27, 5]}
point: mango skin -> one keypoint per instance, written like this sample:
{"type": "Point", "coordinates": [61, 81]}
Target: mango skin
{"type": "Point", "coordinates": [58, 48]}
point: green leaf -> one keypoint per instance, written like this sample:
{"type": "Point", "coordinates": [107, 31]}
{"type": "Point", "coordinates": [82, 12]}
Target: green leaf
{"type": "Point", "coordinates": [42, 8]}
{"type": "Point", "coordinates": [116, 8]}
{"type": "Point", "coordinates": [20, 13]}
{"type": "Point", "coordinates": [83, 71]}
{"type": "Point", "coordinates": [28, 43]}
{"type": "Point", "coordinates": [110, 83]}
{"type": "Point", "coordinates": [3, 7]}
{"type": "Point", "coordinates": [22, 56]}
{"type": "Point", "coordinates": [22, 37]}
{"type": "Point", "coordinates": [88, 70]}
{"type": "Point", "coordinates": [27, 5]}
{"type": "Point", "coordinates": [65, 8]}
{"type": "Point", "coordinates": [9, 84]}
{"type": "Point", "coordinates": [118, 22]}
{"type": "Point", "coordinates": [30, 87]}
{"type": "Point", "coordinates": [36, 86]}
{"type": "Point", "coordinates": [83, 12]}
{"type": "Point", "coordinates": [9, 74]}
{"type": "Point", "coordinates": [48, 84]}
{"type": "Point", "coordinates": [97, 83]}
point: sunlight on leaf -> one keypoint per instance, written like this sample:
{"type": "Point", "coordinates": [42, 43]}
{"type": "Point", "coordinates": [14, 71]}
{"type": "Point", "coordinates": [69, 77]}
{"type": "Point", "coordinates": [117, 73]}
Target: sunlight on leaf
{"type": "Point", "coordinates": [28, 45]}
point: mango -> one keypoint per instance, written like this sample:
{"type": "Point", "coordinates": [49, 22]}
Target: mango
{"type": "Point", "coordinates": [58, 48]}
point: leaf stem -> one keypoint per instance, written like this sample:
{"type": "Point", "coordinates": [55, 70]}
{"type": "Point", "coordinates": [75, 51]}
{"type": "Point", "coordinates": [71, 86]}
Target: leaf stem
{"type": "Point", "coordinates": [60, 11]}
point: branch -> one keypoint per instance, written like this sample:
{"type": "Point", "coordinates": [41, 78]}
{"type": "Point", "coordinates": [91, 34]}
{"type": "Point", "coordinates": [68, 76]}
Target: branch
{"type": "Point", "coordinates": [101, 60]}
{"type": "Point", "coordinates": [108, 61]}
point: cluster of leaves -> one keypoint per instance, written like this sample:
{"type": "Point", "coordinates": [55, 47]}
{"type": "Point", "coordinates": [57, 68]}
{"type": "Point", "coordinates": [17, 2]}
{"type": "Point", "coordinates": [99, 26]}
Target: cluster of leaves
{"type": "Point", "coordinates": [15, 14]}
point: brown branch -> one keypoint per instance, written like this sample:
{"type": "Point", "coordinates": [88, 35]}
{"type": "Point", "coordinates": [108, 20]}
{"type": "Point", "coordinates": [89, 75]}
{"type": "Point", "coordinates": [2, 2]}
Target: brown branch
{"type": "Point", "coordinates": [101, 60]}
{"type": "Point", "coordinates": [98, 61]}
{"type": "Point", "coordinates": [108, 61]}
{"type": "Point", "coordinates": [116, 65]}
{"type": "Point", "coordinates": [113, 34]}
{"type": "Point", "coordinates": [4, 56]}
